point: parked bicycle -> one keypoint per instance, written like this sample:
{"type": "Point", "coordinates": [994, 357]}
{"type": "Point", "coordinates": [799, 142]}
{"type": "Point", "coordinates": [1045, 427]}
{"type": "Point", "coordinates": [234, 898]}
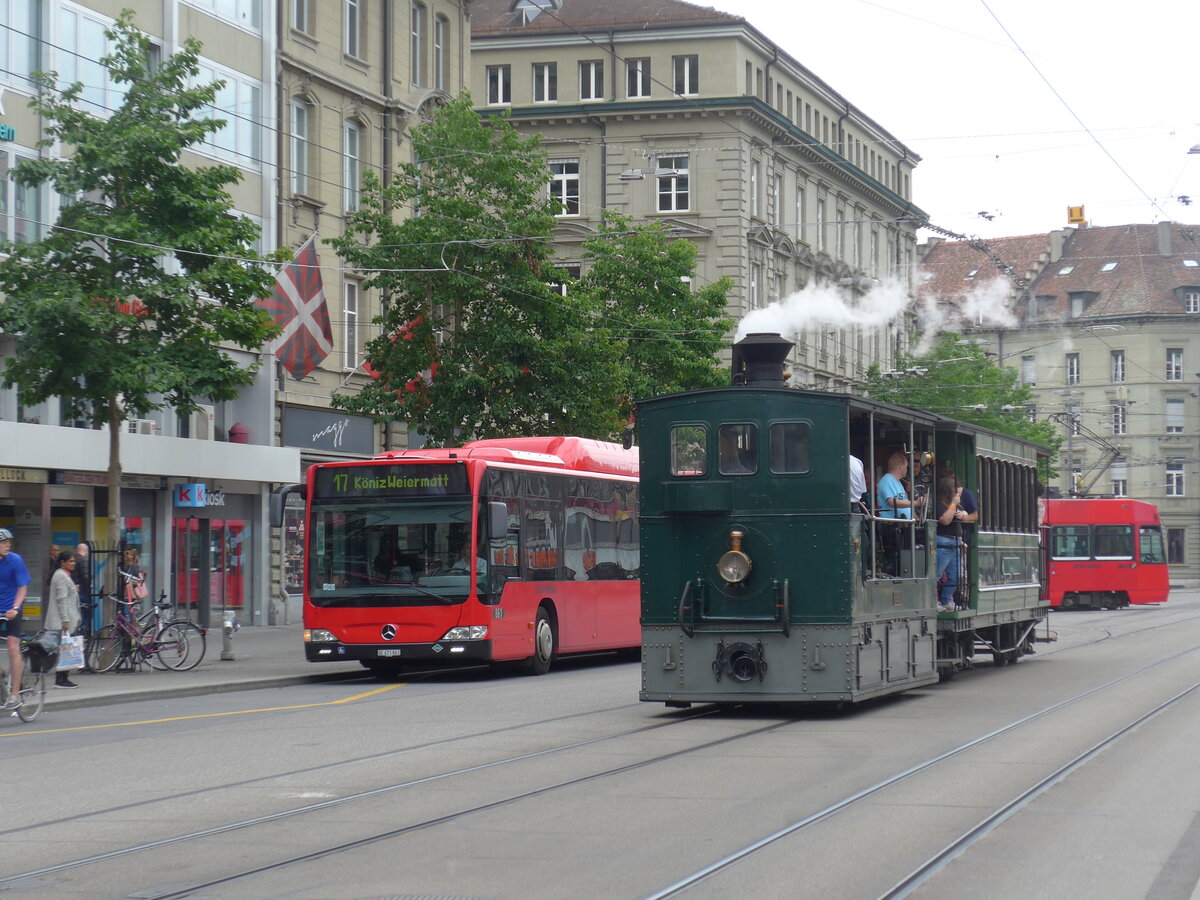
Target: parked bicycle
{"type": "Point", "coordinates": [32, 691]}
{"type": "Point", "coordinates": [132, 640]}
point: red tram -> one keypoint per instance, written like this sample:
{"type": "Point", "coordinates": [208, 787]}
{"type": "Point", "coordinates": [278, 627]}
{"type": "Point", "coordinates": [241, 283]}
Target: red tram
{"type": "Point", "coordinates": [1104, 553]}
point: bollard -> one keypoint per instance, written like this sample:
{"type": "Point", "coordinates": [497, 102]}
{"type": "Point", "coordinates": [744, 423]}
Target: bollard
{"type": "Point", "coordinates": [228, 629]}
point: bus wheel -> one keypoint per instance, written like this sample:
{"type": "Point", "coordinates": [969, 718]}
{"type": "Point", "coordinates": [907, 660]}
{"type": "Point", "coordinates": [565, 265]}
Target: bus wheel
{"type": "Point", "coordinates": [543, 643]}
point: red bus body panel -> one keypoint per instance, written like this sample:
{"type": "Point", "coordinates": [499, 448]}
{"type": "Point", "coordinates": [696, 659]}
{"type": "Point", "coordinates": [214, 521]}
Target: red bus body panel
{"type": "Point", "coordinates": [1142, 583]}
{"type": "Point", "coordinates": [588, 615]}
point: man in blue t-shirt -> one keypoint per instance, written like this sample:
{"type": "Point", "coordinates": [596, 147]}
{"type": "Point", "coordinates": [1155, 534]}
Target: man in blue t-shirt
{"type": "Point", "coordinates": [890, 496]}
{"type": "Point", "coordinates": [14, 581]}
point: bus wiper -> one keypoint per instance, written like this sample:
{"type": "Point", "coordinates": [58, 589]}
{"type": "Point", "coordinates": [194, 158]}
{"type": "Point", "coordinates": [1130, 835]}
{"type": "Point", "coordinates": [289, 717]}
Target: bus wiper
{"type": "Point", "coordinates": [427, 592]}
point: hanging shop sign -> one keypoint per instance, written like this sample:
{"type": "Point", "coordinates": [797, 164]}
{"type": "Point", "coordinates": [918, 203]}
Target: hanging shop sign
{"type": "Point", "coordinates": [321, 430]}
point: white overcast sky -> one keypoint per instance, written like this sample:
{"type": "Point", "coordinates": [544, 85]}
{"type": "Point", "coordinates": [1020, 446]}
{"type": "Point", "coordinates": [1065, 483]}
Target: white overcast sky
{"type": "Point", "coordinates": [943, 77]}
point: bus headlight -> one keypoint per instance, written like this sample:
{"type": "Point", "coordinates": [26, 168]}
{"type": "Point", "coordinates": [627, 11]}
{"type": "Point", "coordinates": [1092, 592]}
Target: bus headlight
{"type": "Point", "coordinates": [318, 636]}
{"type": "Point", "coordinates": [734, 565]}
{"type": "Point", "coordinates": [466, 633]}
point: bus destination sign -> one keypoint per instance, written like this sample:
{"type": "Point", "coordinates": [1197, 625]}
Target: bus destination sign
{"type": "Point", "coordinates": [389, 481]}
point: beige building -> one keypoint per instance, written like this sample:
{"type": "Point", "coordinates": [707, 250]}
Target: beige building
{"type": "Point", "coordinates": [665, 110]}
{"type": "Point", "coordinates": [1105, 329]}
{"type": "Point", "coordinates": [212, 554]}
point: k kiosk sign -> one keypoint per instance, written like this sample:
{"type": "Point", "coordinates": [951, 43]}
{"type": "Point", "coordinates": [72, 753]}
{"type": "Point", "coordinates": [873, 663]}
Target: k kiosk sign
{"type": "Point", "coordinates": [197, 496]}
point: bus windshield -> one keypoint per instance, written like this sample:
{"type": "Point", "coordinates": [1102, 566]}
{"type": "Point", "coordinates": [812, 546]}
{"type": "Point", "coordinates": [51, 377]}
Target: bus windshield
{"type": "Point", "coordinates": [390, 554]}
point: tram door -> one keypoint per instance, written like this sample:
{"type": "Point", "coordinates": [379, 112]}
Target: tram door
{"type": "Point", "coordinates": [208, 563]}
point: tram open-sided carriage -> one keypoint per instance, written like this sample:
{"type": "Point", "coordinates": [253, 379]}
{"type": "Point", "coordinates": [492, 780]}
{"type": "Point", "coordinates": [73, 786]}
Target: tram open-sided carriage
{"type": "Point", "coordinates": [764, 580]}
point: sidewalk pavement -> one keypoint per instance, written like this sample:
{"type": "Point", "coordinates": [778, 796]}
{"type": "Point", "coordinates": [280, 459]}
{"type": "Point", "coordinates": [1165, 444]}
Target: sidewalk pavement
{"type": "Point", "coordinates": [264, 656]}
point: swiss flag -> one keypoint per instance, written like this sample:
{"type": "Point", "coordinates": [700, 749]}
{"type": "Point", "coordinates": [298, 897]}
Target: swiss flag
{"type": "Point", "coordinates": [298, 307]}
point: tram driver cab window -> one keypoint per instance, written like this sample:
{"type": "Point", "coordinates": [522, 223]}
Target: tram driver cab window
{"type": "Point", "coordinates": [739, 450]}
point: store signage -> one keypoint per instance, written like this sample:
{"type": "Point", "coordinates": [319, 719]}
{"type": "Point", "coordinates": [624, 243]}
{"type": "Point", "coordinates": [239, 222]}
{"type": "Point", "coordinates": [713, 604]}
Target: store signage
{"type": "Point", "coordinates": [100, 479]}
{"type": "Point", "coordinates": [335, 432]}
{"type": "Point", "coordinates": [24, 476]}
{"type": "Point", "coordinates": [191, 496]}
{"type": "Point", "coordinates": [7, 133]}
{"type": "Point", "coordinates": [197, 496]}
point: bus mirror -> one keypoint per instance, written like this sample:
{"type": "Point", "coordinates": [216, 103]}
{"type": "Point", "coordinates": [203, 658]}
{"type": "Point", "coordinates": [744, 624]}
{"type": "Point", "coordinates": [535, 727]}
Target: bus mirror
{"type": "Point", "coordinates": [497, 520]}
{"type": "Point", "coordinates": [278, 497]}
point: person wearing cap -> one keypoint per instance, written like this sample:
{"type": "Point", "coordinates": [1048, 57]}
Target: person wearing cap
{"type": "Point", "coordinates": [14, 581]}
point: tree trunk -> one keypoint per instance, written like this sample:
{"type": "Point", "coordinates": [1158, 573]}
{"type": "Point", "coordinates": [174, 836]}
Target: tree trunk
{"type": "Point", "coordinates": [116, 420]}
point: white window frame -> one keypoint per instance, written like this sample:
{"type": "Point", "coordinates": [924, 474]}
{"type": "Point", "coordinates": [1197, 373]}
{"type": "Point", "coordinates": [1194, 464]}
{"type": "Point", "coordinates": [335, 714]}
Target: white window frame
{"type": "Point", "coordinates": [1174, 410]}
{"type": "Point", "coordinates": [1119, 474]}
{"type": "Point", "coordinates": [686, 69]}
{"type": "Point", "coordinates": [1117, 366]}
{"type": "Point", "coordinates": [351, 298]}
{"type": "Point", "coordinates": [564, 185]}
{"type": "Point", "coordinates": [418, 15]}
{"type": "Point", "coordinates": [353, 19]}
{"type": "Point", "coordinates": [755, 282]}
{"type": "Point", "coordinates": [820, 224]}
{"type": "Point", "coordinates": [591, 80]}
{"type": "Point", "coordinates": [1174, 364]}
{"type": "Point", "coordinates": [776, 211]}
{"type": "Point", "coordinates": [1072, 366]}
{"type": "Point", "coordinates": [77, 58]}
{"type": "Point", "coordinates": [1120, 418]}
{"type": "Point", "coordinates": [301, 144]}
{"type": "Point", "coordinates": [242, 13]}
{"type": "Point", "coordinates": [441, 32]}
{"type": "Point", "coordinates": [545, 82]}
{"type": "Point", "coordinates": [20, 50]}
{"type": "Point", "coordinates": [674, 191]}
{"type": "Point", "coordinates": [302, 18]}
{"type": "Point", "coordinates": [800, 198]}
{"type": "Point", "coordinates": [637, 78]}
{"type": "Point", "coordinates": [239, 103]}
{"type": "Point", "coordinates": [499, 85]}
{"type": "Point", "coordinates": [352, 147]}
{"type": "Point", "coordinates": [1029, 370]}
{"type": "Point", "coordinates": [1191, 301]}
{"type": "Point", "coordinates": [755, 206]}
{"type": "Point", "coordinates": [1175, 483]}
{"type": "Point", "coordinates": [14, 199]}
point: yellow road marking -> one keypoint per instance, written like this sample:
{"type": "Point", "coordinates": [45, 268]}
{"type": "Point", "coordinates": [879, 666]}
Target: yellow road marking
{"type": "Point", "coordinates": [236, 712]}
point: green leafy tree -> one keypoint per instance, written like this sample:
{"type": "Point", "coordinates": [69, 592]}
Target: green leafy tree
{"type": "Point", "coordinates": [668, 336]}
{"type": "Point", "coordinates": [957, 380]}
{"type": "Point", "coordinates": [121, 308]}
{"type": "Point", "coordinates": [476, 339]}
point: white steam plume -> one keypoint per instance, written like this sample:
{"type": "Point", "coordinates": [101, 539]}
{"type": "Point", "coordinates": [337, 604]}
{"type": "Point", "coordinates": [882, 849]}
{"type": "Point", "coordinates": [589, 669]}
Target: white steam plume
{"type": "Point", "coordinates": [824, 304]}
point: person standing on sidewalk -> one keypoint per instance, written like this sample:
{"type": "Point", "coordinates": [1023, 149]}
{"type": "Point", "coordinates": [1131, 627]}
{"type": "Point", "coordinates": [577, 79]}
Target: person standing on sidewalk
{"type": "Point", "coordinates": [14, 582]}
{"type": "Point", "coordinates": [63, 608]}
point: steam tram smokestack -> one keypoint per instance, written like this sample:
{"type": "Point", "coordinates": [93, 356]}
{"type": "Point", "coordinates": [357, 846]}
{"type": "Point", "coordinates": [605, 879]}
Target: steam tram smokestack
{"type": "Point", "coordinates": [758, 360]}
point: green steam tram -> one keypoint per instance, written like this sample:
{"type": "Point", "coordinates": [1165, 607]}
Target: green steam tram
{"type": "Point", "coordinates": [765, 580]}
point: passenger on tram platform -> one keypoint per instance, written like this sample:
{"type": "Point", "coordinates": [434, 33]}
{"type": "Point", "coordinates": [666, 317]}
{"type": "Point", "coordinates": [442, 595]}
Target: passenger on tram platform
{"type": "Point", "coordinates": [949, 533]}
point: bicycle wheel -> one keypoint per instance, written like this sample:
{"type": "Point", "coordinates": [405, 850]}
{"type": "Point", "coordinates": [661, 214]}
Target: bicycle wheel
{"type": "Point", "coordinates": [170, 649]}
{"type": "Point", "coordinates": [106, 649]}
{"type": "Point", "coordinates": [33, 693]}
{"type": "Point", "coordinates": [197, 644]}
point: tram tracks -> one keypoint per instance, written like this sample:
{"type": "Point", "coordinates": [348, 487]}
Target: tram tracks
{"type": "Point", "coordinates": [964, 841]}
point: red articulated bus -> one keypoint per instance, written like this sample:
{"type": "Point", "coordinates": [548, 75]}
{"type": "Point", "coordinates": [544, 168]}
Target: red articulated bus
{"type": "Point", "coordinates": [499, 550]}
{"type": "Point", "coordinates": [1104, 553]}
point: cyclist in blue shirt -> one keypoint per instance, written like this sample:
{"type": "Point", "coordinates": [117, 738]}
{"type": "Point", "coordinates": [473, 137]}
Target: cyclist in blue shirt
{"type": "Point", "coordinates": [14, 581]}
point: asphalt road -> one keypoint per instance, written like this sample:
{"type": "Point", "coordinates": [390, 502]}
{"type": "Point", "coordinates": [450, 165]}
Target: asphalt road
{"type": "Point", "coordinates": [1026, 780]}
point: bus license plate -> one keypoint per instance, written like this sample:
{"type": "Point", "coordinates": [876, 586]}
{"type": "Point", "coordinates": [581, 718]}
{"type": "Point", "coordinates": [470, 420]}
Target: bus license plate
{"type": "Point", "coordinates": [390, 652]}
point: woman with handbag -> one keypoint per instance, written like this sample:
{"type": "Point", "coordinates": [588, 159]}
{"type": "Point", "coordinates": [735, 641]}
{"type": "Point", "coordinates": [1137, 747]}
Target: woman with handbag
{"type": "Point", "coordinates": [135, 577]}
{"type": "Point", "coordinates": [63, 609]}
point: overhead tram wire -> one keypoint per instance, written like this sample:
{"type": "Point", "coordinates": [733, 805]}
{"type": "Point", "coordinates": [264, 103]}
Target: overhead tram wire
{"type": "Point", "coordinates": [1069, 109]}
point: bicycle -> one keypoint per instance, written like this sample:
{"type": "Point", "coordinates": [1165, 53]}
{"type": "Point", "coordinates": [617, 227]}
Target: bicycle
{"type": "Point", "coordinates": [197, 637]}
{"type": "Point", "coordinates": [167, 645]}
{"type": "Point", "coordinates": [32, 692]}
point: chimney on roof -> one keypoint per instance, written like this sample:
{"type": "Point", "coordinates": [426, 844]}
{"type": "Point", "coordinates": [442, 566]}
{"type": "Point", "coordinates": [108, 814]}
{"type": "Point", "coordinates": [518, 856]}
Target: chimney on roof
{"type": "Point", "coordinates": [1058, 240]}
{"type": "Point", "coordinates": [1164, 238]}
